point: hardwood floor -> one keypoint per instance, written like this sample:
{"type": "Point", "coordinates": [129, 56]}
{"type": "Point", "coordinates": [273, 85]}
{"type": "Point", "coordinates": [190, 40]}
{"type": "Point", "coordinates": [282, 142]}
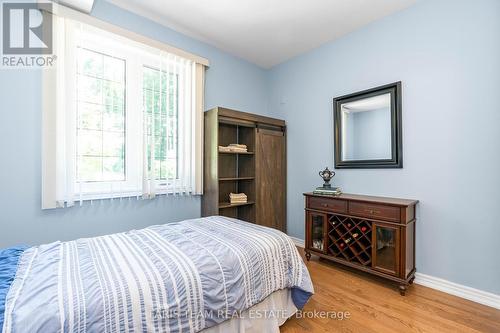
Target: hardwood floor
{"type": "Point", "coordinates": [376, 306]}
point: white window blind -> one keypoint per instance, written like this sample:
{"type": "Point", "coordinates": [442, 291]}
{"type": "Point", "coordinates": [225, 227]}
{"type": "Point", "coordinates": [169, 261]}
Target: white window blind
{"type": "Point", "coordinates": [120, 119]}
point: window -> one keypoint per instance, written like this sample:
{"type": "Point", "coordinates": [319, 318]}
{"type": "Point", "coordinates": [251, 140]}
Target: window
{"type": "Point", "coordinates": [127, 119]}
{"type": "Point", "coordinates": [101, 117]}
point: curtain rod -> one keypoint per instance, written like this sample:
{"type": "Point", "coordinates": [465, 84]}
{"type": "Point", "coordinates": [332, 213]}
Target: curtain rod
{"type": "Point", "coordinates": [64, 11]}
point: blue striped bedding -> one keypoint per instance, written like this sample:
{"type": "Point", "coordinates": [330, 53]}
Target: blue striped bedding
{"type": "Point", "coordinates": [177, 277]}
{"type": "Point", "coordinates": [8, 265]}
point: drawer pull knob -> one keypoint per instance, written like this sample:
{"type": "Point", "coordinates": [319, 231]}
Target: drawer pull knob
{"type": "Point", "coordinates": [371, 211]}
{"type": "Point", "coordinates": [324, 205]}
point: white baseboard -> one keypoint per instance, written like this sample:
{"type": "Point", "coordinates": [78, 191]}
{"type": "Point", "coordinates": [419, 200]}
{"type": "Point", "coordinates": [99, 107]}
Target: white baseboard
{"type": "Point", "coordinates": [452, 288]}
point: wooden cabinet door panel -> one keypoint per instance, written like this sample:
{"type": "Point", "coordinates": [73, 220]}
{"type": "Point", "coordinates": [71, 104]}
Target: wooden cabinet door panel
{"type": "Point", "coordinates": [386, 248]}
{"type": "Point", "coordinates": [271, 178]}
{"type": "Point", "coordinates": [317, 232]}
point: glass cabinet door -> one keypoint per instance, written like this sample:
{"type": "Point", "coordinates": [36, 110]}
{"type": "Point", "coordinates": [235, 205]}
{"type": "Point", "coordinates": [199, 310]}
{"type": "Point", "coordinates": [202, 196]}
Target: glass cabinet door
{"type": "Point", "coordinates": [317, 232]}
{"type": "Point", "coordinates": [385, 248]}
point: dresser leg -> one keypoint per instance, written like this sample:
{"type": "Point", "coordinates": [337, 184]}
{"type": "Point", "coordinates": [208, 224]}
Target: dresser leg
{"type": "Point", "coordinates": [411, 280]}
{"type": "Point", "coordinates": [402, 289]}
{"type": "Point", "coordinates": [308, 256]}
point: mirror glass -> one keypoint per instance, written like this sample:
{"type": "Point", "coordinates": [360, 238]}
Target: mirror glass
{"type": "Point", "coordinates": [366, 129]}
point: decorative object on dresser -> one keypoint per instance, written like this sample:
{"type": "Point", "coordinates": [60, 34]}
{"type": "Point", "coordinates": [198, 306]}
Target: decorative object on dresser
{"type": "Point", "coordinates": [245, 167]}
{"type": "Point", "coordinates": [371, 234]}
{"type": "Point", "coordinates": [327, 188]}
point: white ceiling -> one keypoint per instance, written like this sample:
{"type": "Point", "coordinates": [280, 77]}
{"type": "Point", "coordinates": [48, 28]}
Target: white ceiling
{"type": "Point", "coordinates": [264, 32]}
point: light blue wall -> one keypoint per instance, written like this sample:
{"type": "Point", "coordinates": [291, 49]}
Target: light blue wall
{"type": "Point", "coordinates": [447, 54]}
{"type": "Point", "coordinates": [230, 82]}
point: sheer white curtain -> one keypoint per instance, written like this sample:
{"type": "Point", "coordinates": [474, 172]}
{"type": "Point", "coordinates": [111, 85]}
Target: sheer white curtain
{"type": "Point", "coordinates": [59, 120]}
{"type": "Point", "coordinates": [183, 93]}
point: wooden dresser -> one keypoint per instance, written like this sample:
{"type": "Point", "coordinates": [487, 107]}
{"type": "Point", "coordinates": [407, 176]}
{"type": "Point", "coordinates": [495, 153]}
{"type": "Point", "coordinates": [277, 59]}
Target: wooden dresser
{"type": "Point", "coordinates": [371, 234]}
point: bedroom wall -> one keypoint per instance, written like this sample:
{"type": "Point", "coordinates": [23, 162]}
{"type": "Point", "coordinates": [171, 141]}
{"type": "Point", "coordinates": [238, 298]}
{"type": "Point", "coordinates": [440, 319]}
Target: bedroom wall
{"type": "Point", "coordinates": [230, 82]}
{"type": "Point", "coordinates": [446, 53]}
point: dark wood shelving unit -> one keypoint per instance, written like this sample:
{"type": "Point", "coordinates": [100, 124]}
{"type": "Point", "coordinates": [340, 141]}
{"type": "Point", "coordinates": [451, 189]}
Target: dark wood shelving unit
{"type": "Point", "coordinates": [236, 170]}
{"type": "Point", "coordinates": [260, 172]}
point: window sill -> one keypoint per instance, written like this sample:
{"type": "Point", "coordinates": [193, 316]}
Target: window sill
{"type": "Point", "coordinates": [129, 195]}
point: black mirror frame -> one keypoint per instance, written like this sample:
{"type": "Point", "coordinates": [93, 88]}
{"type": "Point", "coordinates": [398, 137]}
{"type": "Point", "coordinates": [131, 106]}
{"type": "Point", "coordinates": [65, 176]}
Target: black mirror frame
{"type": "Point", "coordinates": [396, 129]}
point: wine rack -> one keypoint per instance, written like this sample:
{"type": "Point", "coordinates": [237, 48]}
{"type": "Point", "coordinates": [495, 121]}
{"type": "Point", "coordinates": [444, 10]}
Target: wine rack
{"type": "Point", "coordinates": [350, 239]}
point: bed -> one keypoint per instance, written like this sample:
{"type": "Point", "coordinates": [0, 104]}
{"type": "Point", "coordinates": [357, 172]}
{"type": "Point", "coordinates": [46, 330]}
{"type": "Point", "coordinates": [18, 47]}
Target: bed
{"type": "Point", "coordinates": [213, 274]}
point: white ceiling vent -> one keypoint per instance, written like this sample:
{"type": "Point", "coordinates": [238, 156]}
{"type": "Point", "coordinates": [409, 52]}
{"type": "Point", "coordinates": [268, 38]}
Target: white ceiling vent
{"type": "Point", "coordinates": [81, 5]}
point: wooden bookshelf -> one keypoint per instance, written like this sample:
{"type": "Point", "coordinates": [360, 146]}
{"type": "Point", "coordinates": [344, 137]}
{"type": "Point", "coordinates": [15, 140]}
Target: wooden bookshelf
{"type": "Point", "coordinates": [260, 172]}
{"type": "Point", "coordinates": [235, 170]}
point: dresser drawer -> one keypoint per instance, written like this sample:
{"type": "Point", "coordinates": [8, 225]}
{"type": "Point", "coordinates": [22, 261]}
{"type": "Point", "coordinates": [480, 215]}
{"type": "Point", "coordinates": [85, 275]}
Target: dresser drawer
{"type": "Point", "coordinates": [332, 205]}
{"type": "Point", "coordinates": [375, 211]}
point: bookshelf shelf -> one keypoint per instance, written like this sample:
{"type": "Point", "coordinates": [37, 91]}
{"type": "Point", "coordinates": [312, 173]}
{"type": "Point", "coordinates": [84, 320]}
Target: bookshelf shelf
{"type": "Point", "coordinates": [235, 178]}
{"type": "Point", "coordinates": [224, 205]}
{"type": "Point", "coordinates": [237, 152]}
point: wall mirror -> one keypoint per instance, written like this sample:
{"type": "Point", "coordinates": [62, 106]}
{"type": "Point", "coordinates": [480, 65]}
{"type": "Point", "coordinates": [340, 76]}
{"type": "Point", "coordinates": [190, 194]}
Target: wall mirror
{"type": "Point", "coordinates": [368, 128]}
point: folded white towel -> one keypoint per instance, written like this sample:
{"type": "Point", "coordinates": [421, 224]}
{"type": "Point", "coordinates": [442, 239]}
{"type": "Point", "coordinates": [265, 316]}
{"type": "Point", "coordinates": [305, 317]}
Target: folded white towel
{"type": "Point", "coordinates": [238, 201]}
{"type": "Point", "coordinates": [237, 195]}
{"type": "Point", "coordinates": [233, 148]}
{"type": "Point", "coordinates": [238, 149]}
{"type": "Point", "coordinates": [238, 198]}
